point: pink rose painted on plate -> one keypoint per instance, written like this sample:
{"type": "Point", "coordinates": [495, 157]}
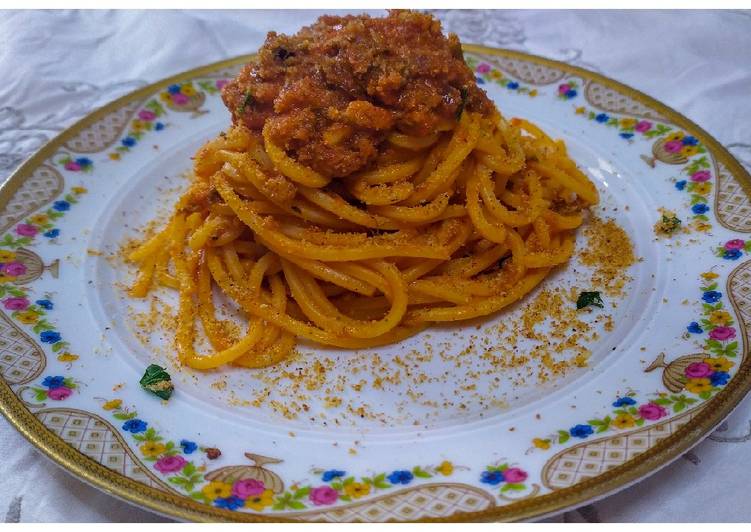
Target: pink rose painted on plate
{"type": "Point", "coordinates": [170, 464]}
{"type": "Point", "coordinates": [652, 411]}
{"type": "Point", "coordinates": [697, 370]}
{"type": "Point", "coordinates": [483, 68]}
{"type": "Point", "coordinates": [736, 243]}
{"type": "Point", "coordinates": [514, 475]}
{"type": "Point", "coordinates": [248, 488]}
{"type": "Point", "coordinates": [26, 230]}
{"type": "Point", "coordinates": [14, 269]}
{"type": "Point", "coordinates": [72, 166]}
{"type": "Point", "coordinates": [146, 115]}
{"type": "Point", "coordinates": [58, 394]}
{"type": "Point", "coordinates": [179, 99]}
{"type": "Point", "coordinates": [16, 303]}
{"type": "Point", "coordinates": [722, 333]}
{"type": "Point", "coordinates": [701, 176]}
{"type": "Point", "coordinates": [643, 126]}
{"type": "Point", "coordinates": [674, 146]}
{"type": "Point", "coordinates": [323, 495]}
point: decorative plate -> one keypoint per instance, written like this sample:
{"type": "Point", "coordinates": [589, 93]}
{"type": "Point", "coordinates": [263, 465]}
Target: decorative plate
{"type": "Point", "coordinates": [506, 419]}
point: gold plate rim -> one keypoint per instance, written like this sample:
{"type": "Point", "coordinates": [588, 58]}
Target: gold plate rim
{"type": "Point", "coordinates": [183, 508]}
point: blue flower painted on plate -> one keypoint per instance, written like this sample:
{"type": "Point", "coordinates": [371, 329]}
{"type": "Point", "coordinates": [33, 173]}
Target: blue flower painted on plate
{"type": "Point", "coordinates": [53, 382]}
{"type": "Point", "coordinates": [571, 93]}
{"type": "Point", "coordinates": [173, 89]}
{"type": "Point", "coordinates": [44, 303]}
{"type": "Point", "coordinates": [331, 474]}
{"type": "Point", "coordinates": [602, 118]}
{"type": "Point", "coordinates": [128, 142]}
{"type": "Point", "coordinates": [479, 80]}
{"type": "Point", "coordinates": [135, 425]}
{"type": "Point", "coordinates": [623, 401]}
{"type": "Point", "coordinates": [491, 477]}
{"type": "Point", "coordinates": [694, 328]}
{"type": "Point", "coordinates": [711, 296]}
{"type": "Point", "coordinates": [700, 208]}
{"type": "Point", "coordinates": [159, 126]}
{"type": "Point", "coordinates": [229, 503]}
{"type": "Point", "coordinates": [50, 337]}
{"type": "Point", "coordinates": [61, 206]}
{"type": "Point", "coordinates": [732, 254]}
{"type": "Point", "coordinates": [689, 141]}
{"type": "Point", "coordinates": [680, 185]}
{"type": "Point", "coordinates": [581, 431]}
{"type": "Point", "coordinates": [512, 85]}
{"type": "Point", "coordinates": [626, 135]}
{"type": "Point", "coordinates": [52, 233]}
{"type": "Point", "coordinates": [188, 446]}
{"type": "Point", "coordinates": [84, 161]}
{"type": "Point", "coordinates": [719, 378]}
{"type": "Point", "coordinates": [400, 477]}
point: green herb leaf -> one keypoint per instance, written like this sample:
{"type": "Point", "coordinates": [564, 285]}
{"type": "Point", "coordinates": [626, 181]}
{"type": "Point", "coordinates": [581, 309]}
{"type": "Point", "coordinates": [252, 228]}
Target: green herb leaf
{"type": "Point", "coordinates": [459, 110]}
{"type": "Point", "coordinates": [157, 381]}
{"type": "Point", "coordinates": [587, 299]}
{"type": "Point", "coordinates": [247, 100]}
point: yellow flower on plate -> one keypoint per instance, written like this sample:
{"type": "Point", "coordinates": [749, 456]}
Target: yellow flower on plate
{"type": "Point", "coordinates": [709, 276]}
{"type": "Point", "coordinates": [67, 357]}
{"type": "Point", "coordinates": [188, 90]}
{"type": "Point", "coordinates": [699, 385]}
{"type": "Point", "coordinates": [137, 126]}
{"type": "Point", "coordinates": [701, 225]}
{"type": "Point", "coordinates": [28, 317]}
{"type": "Point", "coordinates": [624, 421]}
{"type": "Point", "coordinates": [114, 156]}
{"type": "Point", "coordinates": [541, 444]}
{"type": "Point", "coordinates": [216, 490]}
{"type": "Point", "coordinates": [628, 123]}
{"type": "Point", "coordinates": [39, 219]}
{"type": "Point", "coordinates": [720, 317]}
{"type": "Point", "coordinates": [6, 256]}
{"type": "Point", "coordinates": [702, 188]}
{"type": "Point", "coordinates": [165, 96]}
{"type": "Point", "coordinates": [580, 110]}
{"type": "Point", "coordinates": [678, 135]}
{"type": "Point", "coordinates": [79, 190]}
{"type": "Point", "coordinates": [7, 278]}
{"type": "Point", "coordinates": [689, 151]}
{"type": "Point", "coordinates": [152, 449]}
{"type": "Point", "coordinates": [113, 404]}
{"type": "Point", "coordinates": [357, 489]}
{"type": "Point", "coordinates": [496, 74]}
{"type": "Point", "coordinates": [445, 468]}
{"type": "Point", "coordinates": [259, 502]}
{"type": "Point", "coordinates": [719, 363]}
{"type": "Point", "coordinates": [533, 93]}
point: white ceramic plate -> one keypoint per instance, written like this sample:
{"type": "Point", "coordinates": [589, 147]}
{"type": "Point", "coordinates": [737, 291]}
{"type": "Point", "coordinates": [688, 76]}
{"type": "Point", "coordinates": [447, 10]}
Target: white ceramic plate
{"type": "Point", "coordinates": [447, 425]}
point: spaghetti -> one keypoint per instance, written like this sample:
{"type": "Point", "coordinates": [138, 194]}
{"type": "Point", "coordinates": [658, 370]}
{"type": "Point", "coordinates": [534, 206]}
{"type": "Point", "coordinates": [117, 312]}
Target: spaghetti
{"type": "Point", "coordinates": [454, 224]}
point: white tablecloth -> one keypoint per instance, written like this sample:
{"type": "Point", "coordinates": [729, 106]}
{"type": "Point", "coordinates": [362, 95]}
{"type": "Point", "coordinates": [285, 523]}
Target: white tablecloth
{"type": "Point", "coordinates": [57, 66]}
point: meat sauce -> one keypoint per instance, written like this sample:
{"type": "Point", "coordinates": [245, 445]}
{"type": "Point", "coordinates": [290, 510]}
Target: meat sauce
{"type": "Point", "coordinates": [332, 93]}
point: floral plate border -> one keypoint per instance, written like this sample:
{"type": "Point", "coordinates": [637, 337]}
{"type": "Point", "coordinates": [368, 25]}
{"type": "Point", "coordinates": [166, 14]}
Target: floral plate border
{"type": "Point", "coordinates": [661, 453]}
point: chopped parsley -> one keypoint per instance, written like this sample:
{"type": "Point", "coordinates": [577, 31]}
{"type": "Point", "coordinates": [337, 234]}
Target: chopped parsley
{"type": "Point", "coordinates": [157, 381]}
{"type": "Point", "coordinates": [589, 299]}
{"type": "Point", "coordinates": [459, 110]}
{"type": "Point", "coordinates": [668, 224]}
{"type": "Point", "coordinates": [248, 99]}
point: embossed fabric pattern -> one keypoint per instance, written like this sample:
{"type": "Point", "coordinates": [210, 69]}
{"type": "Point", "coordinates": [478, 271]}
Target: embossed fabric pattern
{"type": "Point", "coordinates": [692, 61]}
